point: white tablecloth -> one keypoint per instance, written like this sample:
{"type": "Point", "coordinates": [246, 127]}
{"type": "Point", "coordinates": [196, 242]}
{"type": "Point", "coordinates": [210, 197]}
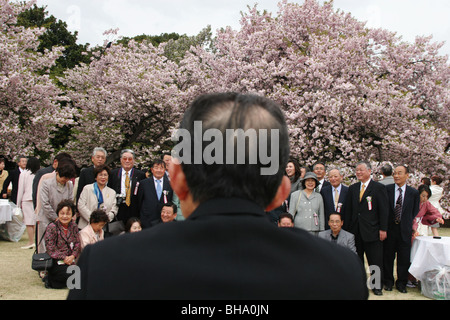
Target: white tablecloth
{"type": "Point", "coordinates": [428, 253]}
{"type": "Point", "coordinates": [6, 212]}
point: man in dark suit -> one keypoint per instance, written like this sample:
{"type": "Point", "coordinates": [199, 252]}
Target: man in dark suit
{"type": "Point", "coordinates": [98, 158]}
{"type": "Point", "coordinates": [403, 208]}
{"type": "Point", "coordinates": [334, 195]}
{"type": "Point", "coordinates": [153, 193]}
{"type": "Point", "coordinates": [125, 181]}
{"type": "Point", "coordinates": [320, 170]}
{"type": "Point", "coordinates": [367, 218]}
{"type": "Point", "coordinates": [13, 178]}
{"type": "Point", "coordinates": [226, 248]}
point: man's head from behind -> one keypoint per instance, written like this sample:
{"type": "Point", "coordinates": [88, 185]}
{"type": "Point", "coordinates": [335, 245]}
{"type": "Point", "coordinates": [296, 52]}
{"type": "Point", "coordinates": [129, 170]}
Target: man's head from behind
{"type": "Point", "coordinates": [222, 164]}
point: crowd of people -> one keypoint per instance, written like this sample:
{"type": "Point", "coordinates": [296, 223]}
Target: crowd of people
{"type": "Point", "coordinates": [65, 212]}
{"type": "Point", "coordinates": [100, 202]}
{"type": "Point", "coordinates": [72, 212]}
{"type": "Point", "coordinates": [377, 218]}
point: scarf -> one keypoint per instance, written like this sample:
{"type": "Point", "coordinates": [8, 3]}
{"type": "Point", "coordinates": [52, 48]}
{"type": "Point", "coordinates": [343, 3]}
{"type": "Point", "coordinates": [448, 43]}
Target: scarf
{"type": "Point", "coordinates": [99, 194]}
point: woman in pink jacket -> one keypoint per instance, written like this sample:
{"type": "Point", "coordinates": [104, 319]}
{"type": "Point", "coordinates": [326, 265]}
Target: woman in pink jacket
{"type": "Point", "coordinates": [428, 214]}
{"type": "Point", "coordinates": [93, 232]}
{"type": "Point", "coordinates": [25, 199]}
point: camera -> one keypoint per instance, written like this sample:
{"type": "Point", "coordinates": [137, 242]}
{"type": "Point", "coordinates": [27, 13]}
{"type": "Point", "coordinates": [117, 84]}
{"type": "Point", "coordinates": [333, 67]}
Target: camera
{"type": "Point", "coordinates": [120, 199]}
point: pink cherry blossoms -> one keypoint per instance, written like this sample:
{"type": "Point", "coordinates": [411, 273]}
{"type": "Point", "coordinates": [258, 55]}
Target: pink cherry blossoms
{"type": "Point", "coordinates": [29, 106]}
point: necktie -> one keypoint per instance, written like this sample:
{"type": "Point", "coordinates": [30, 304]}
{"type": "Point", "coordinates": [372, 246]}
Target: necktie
{"type": "Point", "coordinates": [127, 189]}
{"type": "Point", "coordinates": [158, 189]}
{"type": "Point", "coordinates": [317, 188]}
{"type": "Point", "coordinates": [363, 188]}
{"type": "Point", "coordinates": [336, 198]}
{"type": "Point", "coordinates": [398, 207]}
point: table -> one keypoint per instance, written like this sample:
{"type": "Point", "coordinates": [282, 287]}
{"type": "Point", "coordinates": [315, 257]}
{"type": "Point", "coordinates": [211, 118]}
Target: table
{"type": "Point", "coordinates": [428, 253]}
{"type": "Point", "coordinates": [6, 211]}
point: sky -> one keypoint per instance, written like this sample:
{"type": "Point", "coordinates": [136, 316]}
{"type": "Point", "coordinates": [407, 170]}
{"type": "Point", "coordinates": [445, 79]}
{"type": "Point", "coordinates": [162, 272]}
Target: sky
{"type": "Point", "coordinates": [409, 18]}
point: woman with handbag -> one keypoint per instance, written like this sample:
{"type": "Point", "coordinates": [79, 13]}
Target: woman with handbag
{"type": "Point", "coordinates": [62, 241]}
{"type": "Point", "coordinates": [97, 196]}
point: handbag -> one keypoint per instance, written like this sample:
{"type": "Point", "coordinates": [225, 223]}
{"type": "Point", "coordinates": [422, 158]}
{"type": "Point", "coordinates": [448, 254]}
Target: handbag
{"type": "Point", "coordinates": [114, 228]}
{"type": "Point", "coordinates": [41, 261]}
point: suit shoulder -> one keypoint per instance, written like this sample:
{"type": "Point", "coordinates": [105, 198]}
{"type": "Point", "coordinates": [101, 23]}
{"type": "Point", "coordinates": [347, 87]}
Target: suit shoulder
{"type": "Point", "coordinates": [145, 181]}
{"type": "Point", "coordinates": [411, 189]}
{"type": "Point", "coordinates": [355, 185]}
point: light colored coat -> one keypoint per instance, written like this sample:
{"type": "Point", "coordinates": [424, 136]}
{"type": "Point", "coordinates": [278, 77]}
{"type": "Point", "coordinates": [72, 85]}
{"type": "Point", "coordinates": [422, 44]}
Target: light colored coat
{"type": "Point", "coordinates": [388, 180]}
{"type": "Point", "coordinates": [88, 202]}
{"type": "Point", "coordinates": [304, 211]}
{"type": "Point", "coordinates": [25, 189]}
{"type": "Point", "coordinates": [88, 236]}
{"type": "Point", "coordinates": [345, 238]}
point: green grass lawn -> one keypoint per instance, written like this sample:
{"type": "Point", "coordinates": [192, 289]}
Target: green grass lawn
{"type": "Point", "coordinates": [19, 282]}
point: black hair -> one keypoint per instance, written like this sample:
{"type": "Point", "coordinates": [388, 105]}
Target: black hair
{"type": "Point", "coordinates": [66, 168]}
{"type": "Point", "coordinates": [286, 215]}
{"type": "Point", "coordinates": [386, 170]}
{"type": "Point", "coordinates": [99, 169]}
{"type": "Point", "coordinates": [222, 111]}
{"type": "Point", "coordinates": [424, 187]}
{"type": "Point", "coordinates": [297, 169]}
{"type": "Point", "coordinates": [172, 205]}
{"type": "Point", "coordinates": [158, 162]}
{"type": "Point", "coordinates": [33, 164]}
{"type": "Point", "coordinates": [66, 203]}
{"type": "Point", "coordinates": [98, 215]}
{"type": "Point", "coordinates": [338, 213]}
{"type": "Point", "coordinates": [130, 222]}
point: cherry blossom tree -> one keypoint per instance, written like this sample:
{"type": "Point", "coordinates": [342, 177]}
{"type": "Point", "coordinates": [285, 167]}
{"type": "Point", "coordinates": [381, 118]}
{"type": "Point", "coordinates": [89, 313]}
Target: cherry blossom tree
{"type": "Point", "coordinates": [127, 97]}
{"type": "Point", "coordinates": [29, 100]}
{"type": "Point", "coordinates": [349, 92]}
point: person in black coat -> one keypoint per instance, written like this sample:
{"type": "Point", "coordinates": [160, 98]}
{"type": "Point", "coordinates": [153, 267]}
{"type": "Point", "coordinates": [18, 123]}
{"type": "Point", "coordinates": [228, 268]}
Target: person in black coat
{"type": "Point", "coordinates": [98, 158]}
{"type": "Point", "coordinates": [366, 217]}
{"type": "Point", "coordinates": [404, 202]}
{"type": "Point", "coordinates": [226, 248]}
{"type": "Point", "coordinates": [333, 202]}
{"type": "Point", "coordinates": [127, 199]}
{"type": "Point", "coordinates": [150, 202]}
{"type": "Point", "coordinates": [13, 178]}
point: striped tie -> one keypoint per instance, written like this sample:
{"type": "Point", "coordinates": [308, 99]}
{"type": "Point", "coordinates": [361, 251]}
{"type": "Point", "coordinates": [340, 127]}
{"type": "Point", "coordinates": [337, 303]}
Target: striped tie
{"type": "Point", "coordinates": [398, 207]}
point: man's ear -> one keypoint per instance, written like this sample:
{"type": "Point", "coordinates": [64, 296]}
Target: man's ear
{"type": "Point", "coordinates": [178, 181]}
{"type": "Point", "coordinates": [282, 193]}
{"type": "Point", "coordinates": [180, 187]}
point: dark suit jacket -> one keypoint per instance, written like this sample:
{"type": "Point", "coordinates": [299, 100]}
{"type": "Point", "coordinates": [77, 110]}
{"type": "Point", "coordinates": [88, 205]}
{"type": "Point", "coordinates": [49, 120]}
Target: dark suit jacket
{"type": "Point", "coordinates": [359, 219]}
{"type": "Point", "coordinates": [13, 177]}
{"type": "Point", "coordinates": [86, 177]}
{"type": "Point", "coordinates": [325, 184]}
{"type": "Point", "coordinates": [410, 209]}
{"type": "Point", "coordinates": [149, 205]}
{"type": "Point", "coordinates": [115, 183]}
{"type": "Point", "coordinates": [227, 249]}
{"type": "Point", "coordinates": [328, 202]}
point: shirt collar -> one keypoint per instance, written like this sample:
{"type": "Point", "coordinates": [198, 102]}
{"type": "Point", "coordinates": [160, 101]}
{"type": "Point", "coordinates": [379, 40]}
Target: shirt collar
{"type": "Point", "coordinates": [338, 188]}
{"type": "Point", "coordinates": [403, 188]}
